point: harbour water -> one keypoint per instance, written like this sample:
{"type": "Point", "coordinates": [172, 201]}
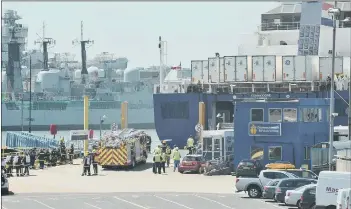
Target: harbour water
{"type": "Point", "coordinates": [66, 135]}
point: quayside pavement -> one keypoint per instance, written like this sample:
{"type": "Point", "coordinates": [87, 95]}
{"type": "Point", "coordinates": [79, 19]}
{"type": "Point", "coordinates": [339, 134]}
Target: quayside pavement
{"type": "Point", "coordinates": [63, 187]}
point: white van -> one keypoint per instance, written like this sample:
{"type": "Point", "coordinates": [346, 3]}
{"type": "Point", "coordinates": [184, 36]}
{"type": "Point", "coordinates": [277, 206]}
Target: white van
{"type": "Point", "coordinates": [343, 199]}
{"type": "Point", "coordinates": [329, 183]}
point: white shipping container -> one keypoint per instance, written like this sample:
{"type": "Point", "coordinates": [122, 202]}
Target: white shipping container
{"type": "Point", "coordinates": [346, 66]}
{"type": "Point", "coordinates": [241, 74]}
{"type": "Point", "coordinates": [221, 70]}
{"type": "Point", "coordinates": [229, 69]}
{"type": "Point", "coordinates": [269, 68]}
{"type": "Point", "coordinates": [325, 66]}
{"type": "Point", "coordinates": [294, 68]}
{"type": "Point", "coordinates": [213, 69]}
{"type": "Point", "coordinates": [205, 70]}
{"type": "Point", "coordinates": [196, 71]}
{"type": "Point", "coordinates": [257, 68]}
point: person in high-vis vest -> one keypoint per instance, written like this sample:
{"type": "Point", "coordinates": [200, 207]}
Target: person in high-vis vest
{"type": "Point", "coordinates": [190, 144]}
{"type": "Point", "coordinates": [163, 161]}
{"type": "Point", "coordinates": [168, 155]}
{"type": "Point", "coordinates": [94, 161]}
{"type": "Point", "coordinates": [157, 160]}
{"type": "Point", "coordinates": [176, 158]}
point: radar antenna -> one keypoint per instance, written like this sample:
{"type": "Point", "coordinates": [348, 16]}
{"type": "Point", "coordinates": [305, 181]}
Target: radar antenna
{"type": "Point", "coordinates": [83, 44]}
{"type": "Point", "coordinates": [45, 42]}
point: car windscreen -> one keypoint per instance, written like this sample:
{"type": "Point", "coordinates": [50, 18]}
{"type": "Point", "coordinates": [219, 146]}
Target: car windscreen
{"type": "Point", "coordinates": [300, 189]}
{"type": "Point", "coordinates": [191, 158]}
{"type": "Point", "coordinates": [301, 174]}
{"type": "Point", "coordinates": [246, 163]}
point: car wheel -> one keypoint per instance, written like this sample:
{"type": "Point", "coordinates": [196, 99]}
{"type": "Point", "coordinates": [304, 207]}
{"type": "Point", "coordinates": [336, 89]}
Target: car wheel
{"type": "Point", "coordinates": [5, 191]}
{"type": "Point", "coordinates": [313, 206]}
{"type": "Point", "coordinates": [254, 192]}
{"type": "Point", "coordinates": [181, 171]}
{"type": "Point", "coordinates": [298, 204]}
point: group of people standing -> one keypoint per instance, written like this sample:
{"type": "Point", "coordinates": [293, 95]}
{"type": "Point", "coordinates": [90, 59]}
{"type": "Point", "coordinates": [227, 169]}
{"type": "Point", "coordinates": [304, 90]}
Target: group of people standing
{"type": "Point", "coordinates": [90, 159]}
{"type": "Point", "coordinates": [162, 157]}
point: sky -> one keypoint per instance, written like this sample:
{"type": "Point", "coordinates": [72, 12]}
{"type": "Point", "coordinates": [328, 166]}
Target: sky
{"type": "Point", "coordinates": [193, 30]}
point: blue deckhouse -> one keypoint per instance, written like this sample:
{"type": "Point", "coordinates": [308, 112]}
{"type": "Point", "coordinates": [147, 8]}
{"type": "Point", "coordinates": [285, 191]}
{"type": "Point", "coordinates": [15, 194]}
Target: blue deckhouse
{"type": "Point", "coordinates": [279, 129]}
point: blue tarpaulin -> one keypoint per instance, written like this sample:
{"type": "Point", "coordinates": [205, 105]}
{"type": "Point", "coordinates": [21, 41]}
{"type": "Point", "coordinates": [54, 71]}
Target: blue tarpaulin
{"type": "Point", "coordinates": [23, 139]}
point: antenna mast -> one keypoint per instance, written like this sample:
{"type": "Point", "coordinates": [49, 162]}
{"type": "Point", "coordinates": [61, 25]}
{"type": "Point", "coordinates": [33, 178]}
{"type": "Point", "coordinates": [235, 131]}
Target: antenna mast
{"type": "Point", "coordinates": [83, 43]}
{"type": "Point", "coordinates": [45, 42]}
{"type": "Point", "coordinates": [161, 46]}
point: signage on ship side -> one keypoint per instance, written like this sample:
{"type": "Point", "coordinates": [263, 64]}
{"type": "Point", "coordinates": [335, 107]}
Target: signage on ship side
{"type": "Point", "coordinates": [79, 135]}
{"type": "Point", "coordinates": [264, 129]}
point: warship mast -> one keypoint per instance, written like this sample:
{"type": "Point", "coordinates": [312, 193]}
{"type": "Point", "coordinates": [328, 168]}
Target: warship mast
{"type": "Point", "coordinates": [45, 43]}
{"type": "Point", "coordinates": [83, 43]}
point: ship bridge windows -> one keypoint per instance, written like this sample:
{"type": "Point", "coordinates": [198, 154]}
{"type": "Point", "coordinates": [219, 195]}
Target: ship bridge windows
{"type": "Point", "coordinates": [257, 114]}
{"type": "Point", "coordinates": [280, 21]}
{"type": "Point", "coordinates": [311, 115]}
{"type": "Point", "coordinates": [175, 110]}
{"type": "Point", "coordinates": [105, 105]}
{"type": "Point", "coordinates": [48, 105]}
{"type": "Point", "coordinates": [275, 115]}
{"type": "Point", "coordinates": [11, 106]}
{"type": "Point", "coordinates": [289, 115]}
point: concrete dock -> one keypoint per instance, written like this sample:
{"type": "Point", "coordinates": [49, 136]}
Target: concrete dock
{"type": "Point", "coordinates": [63, 187]}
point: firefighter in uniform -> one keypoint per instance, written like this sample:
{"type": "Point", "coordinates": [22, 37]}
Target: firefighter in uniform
{"type": "Point", "coordinates": [71, 154]}
{"type": "Point", "coordinates": [163, 161]}
{"type": "Point", "coordinates": [17, 164]}
{"type": "Point", "coordinates": [41, 158]}
{"type": "Point", "coordinates": [168, 155]}
{"type": "Point", "coordinates": [164, 146]}
{"type": "Point", "coordinates": [157, 162]}
{"type": "Point", "coordinates": [53, 157]}
{"type": "Point", "coordinates": [26, 162]}
{"type": "Point", "coordinates": [86, 165]}
{"type": "Point", "coordinates": [94, 161]}
{"type": "Point", "coordinates": [9, 165]}
{"type": "Point", "coordinates": [148, 144]}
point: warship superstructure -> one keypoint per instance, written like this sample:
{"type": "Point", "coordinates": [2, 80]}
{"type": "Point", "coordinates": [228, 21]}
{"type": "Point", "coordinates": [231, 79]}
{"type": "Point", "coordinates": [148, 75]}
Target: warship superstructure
{"type": "Point", "coordinates": [57, 90]}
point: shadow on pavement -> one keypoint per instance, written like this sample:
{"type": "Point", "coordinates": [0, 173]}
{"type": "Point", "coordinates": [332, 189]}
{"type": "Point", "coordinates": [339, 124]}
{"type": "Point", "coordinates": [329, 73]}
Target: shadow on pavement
{"type": "Point", "coordinates": [140, 167]}
{"type": "Point", "coordinates": [10, 193]}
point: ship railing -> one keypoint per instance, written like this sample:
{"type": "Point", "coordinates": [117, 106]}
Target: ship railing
{"type": "Point", "coordinates": [245, 87]}
{"type": "Point", "coordinates": [279, 26]}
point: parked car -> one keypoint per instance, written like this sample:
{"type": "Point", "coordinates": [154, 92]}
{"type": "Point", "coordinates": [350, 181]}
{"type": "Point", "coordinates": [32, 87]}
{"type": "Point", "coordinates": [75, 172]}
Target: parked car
{"type": "Point", "coordinates": [192, 163]}
{"type": "Point", "coordinates": [254, 186]}
{"type": "Point", "coordinates": [293, 197]}
{"type": "Point", "coordinates": [249, 168]}
{"type": "Point", "coordinates": [269, 189]}
{"type": "Point", "coordinates": [289, 184]}
{"type": "Point", "coordinates": [4, 184]}
{"type": "Point", "coordinates": [343, 199]}
{"type": "Point", "coordinates": [329, 182]}
{"type": "Point", "coordinates": [308, 198]}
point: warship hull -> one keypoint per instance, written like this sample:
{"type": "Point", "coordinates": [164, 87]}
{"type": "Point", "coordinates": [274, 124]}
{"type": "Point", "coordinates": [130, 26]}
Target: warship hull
{"type": "Point", "coordinates": [73, 119]}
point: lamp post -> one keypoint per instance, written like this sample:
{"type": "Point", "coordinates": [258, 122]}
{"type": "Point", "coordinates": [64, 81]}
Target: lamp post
{"type": "Point", "coordinates": [348, 20]}
{"type": "Point", "coordinates": [102, 119]}
{"type": "Point", "coordinates": [335, 12]}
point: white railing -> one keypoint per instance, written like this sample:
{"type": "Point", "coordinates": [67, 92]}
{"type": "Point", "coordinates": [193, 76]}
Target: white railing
{"type": "Point", "coordinates": [279, 26]}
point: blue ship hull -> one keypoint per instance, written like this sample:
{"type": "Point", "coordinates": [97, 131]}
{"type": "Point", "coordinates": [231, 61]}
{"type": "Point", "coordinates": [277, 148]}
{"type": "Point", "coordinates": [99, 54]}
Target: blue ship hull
{"type": "Point", "coordinates": [177, 114]}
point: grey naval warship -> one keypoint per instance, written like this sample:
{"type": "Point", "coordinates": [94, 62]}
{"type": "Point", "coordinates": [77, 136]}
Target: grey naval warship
{"type": "Point", "coordinates": [57, 88]}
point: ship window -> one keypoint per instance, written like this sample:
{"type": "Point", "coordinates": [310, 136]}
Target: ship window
{"type": "Point", "coordinates": [311, 114]}
{"type": "Point", "coordinates": [175, 110]}
{"type": "Point", "coordinates": [257, 152]}
{"type": "Point", "coordinates": [275, 115]}
{"type": "Point", "coordinates": [307, 152]}
{"type": "Point", "coordinates": [257, 114]}
{"type": "Point", "coordinates": [290, 115]}
{"type": "Point", "coordinates": [275, 153]}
